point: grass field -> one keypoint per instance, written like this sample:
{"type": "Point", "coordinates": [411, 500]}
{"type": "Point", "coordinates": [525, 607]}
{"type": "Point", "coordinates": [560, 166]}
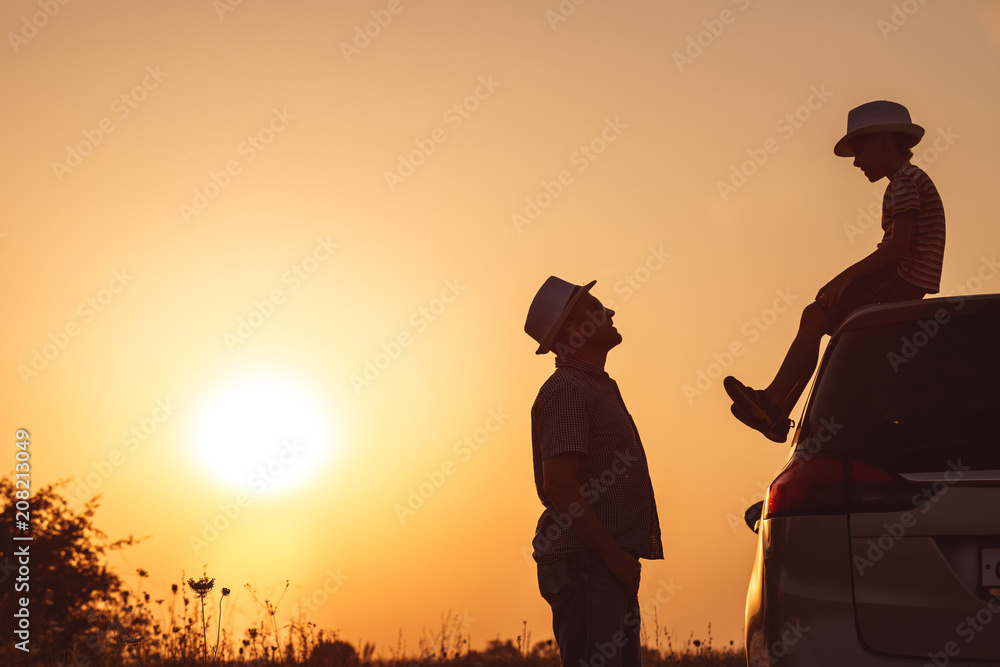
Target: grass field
{"type": "Point", "coordinates": [341, 654]}
{"type": "Point", "coordinates": [442, 650]}
{"type": "Point", "coordinates": [138, 630]}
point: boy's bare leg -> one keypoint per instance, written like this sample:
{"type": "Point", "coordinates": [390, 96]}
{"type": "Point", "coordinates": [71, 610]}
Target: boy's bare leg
{"type": "Point", "coordinates": [800, 361]}
{"type": "Point", "coordinates": [788, 404]}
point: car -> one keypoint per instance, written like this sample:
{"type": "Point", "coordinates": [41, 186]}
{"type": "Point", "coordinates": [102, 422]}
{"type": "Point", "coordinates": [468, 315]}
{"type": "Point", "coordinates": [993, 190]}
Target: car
{"type": "Point", "coordinates": [878, 542]}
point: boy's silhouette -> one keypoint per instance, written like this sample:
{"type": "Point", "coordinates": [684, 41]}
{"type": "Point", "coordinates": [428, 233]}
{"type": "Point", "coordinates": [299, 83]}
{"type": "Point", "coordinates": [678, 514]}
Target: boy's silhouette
{"type": "Point", "coordinates": [905, 265]}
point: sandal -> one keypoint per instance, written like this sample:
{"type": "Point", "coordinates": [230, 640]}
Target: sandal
{"type": "Point", "coordinates": [777, 433]}
{"type": "Point", "coordinates": [755, 405]}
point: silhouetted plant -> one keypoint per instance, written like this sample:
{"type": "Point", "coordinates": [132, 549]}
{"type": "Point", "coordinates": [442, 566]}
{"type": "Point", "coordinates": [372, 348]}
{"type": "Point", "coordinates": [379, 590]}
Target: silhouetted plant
{"type": "Point", "coordinates": [334, 654]}
{"type": "Point", "coordinates": [272, 610]}
{"type": "Point", "coordinates": [202, 587]}
{"type": "Point", "coordinates": [69, 580]}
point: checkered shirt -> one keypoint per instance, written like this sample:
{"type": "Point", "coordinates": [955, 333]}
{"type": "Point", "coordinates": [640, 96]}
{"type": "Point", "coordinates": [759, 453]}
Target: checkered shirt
{"type": "Point", "coordinates": [580, 409]}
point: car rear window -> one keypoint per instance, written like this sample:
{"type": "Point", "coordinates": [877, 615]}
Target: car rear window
{"type": "Point", "coordinates": [912, 396]}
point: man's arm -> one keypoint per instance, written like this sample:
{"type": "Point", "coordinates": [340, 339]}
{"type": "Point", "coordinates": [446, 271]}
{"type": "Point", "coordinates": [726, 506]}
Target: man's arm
{"type": "Point", "coordinates": [896, 247]}
{"type": "Point", "coordinates": [563, 489]}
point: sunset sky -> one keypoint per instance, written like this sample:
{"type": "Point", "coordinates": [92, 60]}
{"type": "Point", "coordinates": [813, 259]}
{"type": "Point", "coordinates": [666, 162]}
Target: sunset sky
{"type": "Point", "coordinates": [267, 265]}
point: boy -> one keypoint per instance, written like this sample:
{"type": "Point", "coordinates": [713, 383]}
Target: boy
{"type": "Point", "coordinates": [905, 265]}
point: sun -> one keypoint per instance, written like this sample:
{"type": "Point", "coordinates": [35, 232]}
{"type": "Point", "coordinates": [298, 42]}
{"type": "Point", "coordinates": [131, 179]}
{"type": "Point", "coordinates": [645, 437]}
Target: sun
{"type": "Point", "coordinates": [262, 435]}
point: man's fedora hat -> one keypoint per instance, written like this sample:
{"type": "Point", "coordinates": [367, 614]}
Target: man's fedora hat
{"type": "Point", "coordinates": [550, 308]}
{"type": "Point", "coordinates": [874, 117]}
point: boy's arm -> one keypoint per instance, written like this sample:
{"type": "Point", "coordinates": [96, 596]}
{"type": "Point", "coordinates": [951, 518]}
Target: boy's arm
{"type": "Point", "coordinates": [887, 253]}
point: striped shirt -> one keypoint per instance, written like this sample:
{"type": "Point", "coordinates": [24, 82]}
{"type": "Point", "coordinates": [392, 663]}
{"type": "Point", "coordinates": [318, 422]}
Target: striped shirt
{"type": "Point", "coordinates": [580, 409]}
{"type": "Point", "coordinates": [910, 189]}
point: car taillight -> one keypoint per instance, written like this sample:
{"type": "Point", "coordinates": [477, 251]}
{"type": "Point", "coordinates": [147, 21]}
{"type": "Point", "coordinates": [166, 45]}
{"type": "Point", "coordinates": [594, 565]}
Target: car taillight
{"type": "Point", "coordinates": [873, 489]}
{"type": "Point", "coordinates": [810, 485]}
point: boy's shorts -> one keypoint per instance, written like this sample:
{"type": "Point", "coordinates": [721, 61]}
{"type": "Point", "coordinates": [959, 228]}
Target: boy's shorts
{"type": "Point", "coordinates": [882, 286]}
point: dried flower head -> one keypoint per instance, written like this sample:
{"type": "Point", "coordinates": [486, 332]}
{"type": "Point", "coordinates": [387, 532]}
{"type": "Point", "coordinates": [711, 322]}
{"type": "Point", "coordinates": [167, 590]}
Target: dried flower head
{"type": "Point", "coordinates": [202, 587]}
{"type": "Point", "coordinates": [225, 592]}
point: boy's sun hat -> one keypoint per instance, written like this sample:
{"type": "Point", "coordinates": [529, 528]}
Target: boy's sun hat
{"type": "Point", "coordinates": [550, 308]}
{"type": "Point", "coordinates": [873, 117]}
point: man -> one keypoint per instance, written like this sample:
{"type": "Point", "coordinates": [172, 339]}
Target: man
{"type": "Point", "coordinates": [591, 475]}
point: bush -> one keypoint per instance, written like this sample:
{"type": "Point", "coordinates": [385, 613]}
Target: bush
{"type": "Point", "coordinates": [76, 603]}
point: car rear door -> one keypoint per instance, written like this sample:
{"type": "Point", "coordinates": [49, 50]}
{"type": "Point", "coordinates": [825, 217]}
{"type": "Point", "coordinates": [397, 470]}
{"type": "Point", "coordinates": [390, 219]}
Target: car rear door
{"type": "Point", "coordinates": [924, 483]}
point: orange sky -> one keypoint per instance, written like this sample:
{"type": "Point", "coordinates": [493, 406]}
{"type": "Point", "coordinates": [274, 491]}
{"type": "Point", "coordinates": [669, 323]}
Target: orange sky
{"type": "Point", "coordinates": [205, 197]}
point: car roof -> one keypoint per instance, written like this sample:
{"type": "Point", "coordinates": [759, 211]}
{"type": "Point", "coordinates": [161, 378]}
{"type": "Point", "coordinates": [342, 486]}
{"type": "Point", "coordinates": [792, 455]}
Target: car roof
{"type": "Point", "coordinates": [903, 311]}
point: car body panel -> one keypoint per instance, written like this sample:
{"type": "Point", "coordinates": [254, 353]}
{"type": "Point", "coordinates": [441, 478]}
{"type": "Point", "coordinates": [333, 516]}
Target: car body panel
{"type": "Point", "coordinates": [800, 608]}
{"type": "Point", "coordinates": [917, 576]}
{"type": "Point", "coordinates": [900, 575]}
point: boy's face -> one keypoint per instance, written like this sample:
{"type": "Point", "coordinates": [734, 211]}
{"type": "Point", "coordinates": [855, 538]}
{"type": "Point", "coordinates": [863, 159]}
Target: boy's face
{"type": "Point", "coordinates": [875, 155]}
